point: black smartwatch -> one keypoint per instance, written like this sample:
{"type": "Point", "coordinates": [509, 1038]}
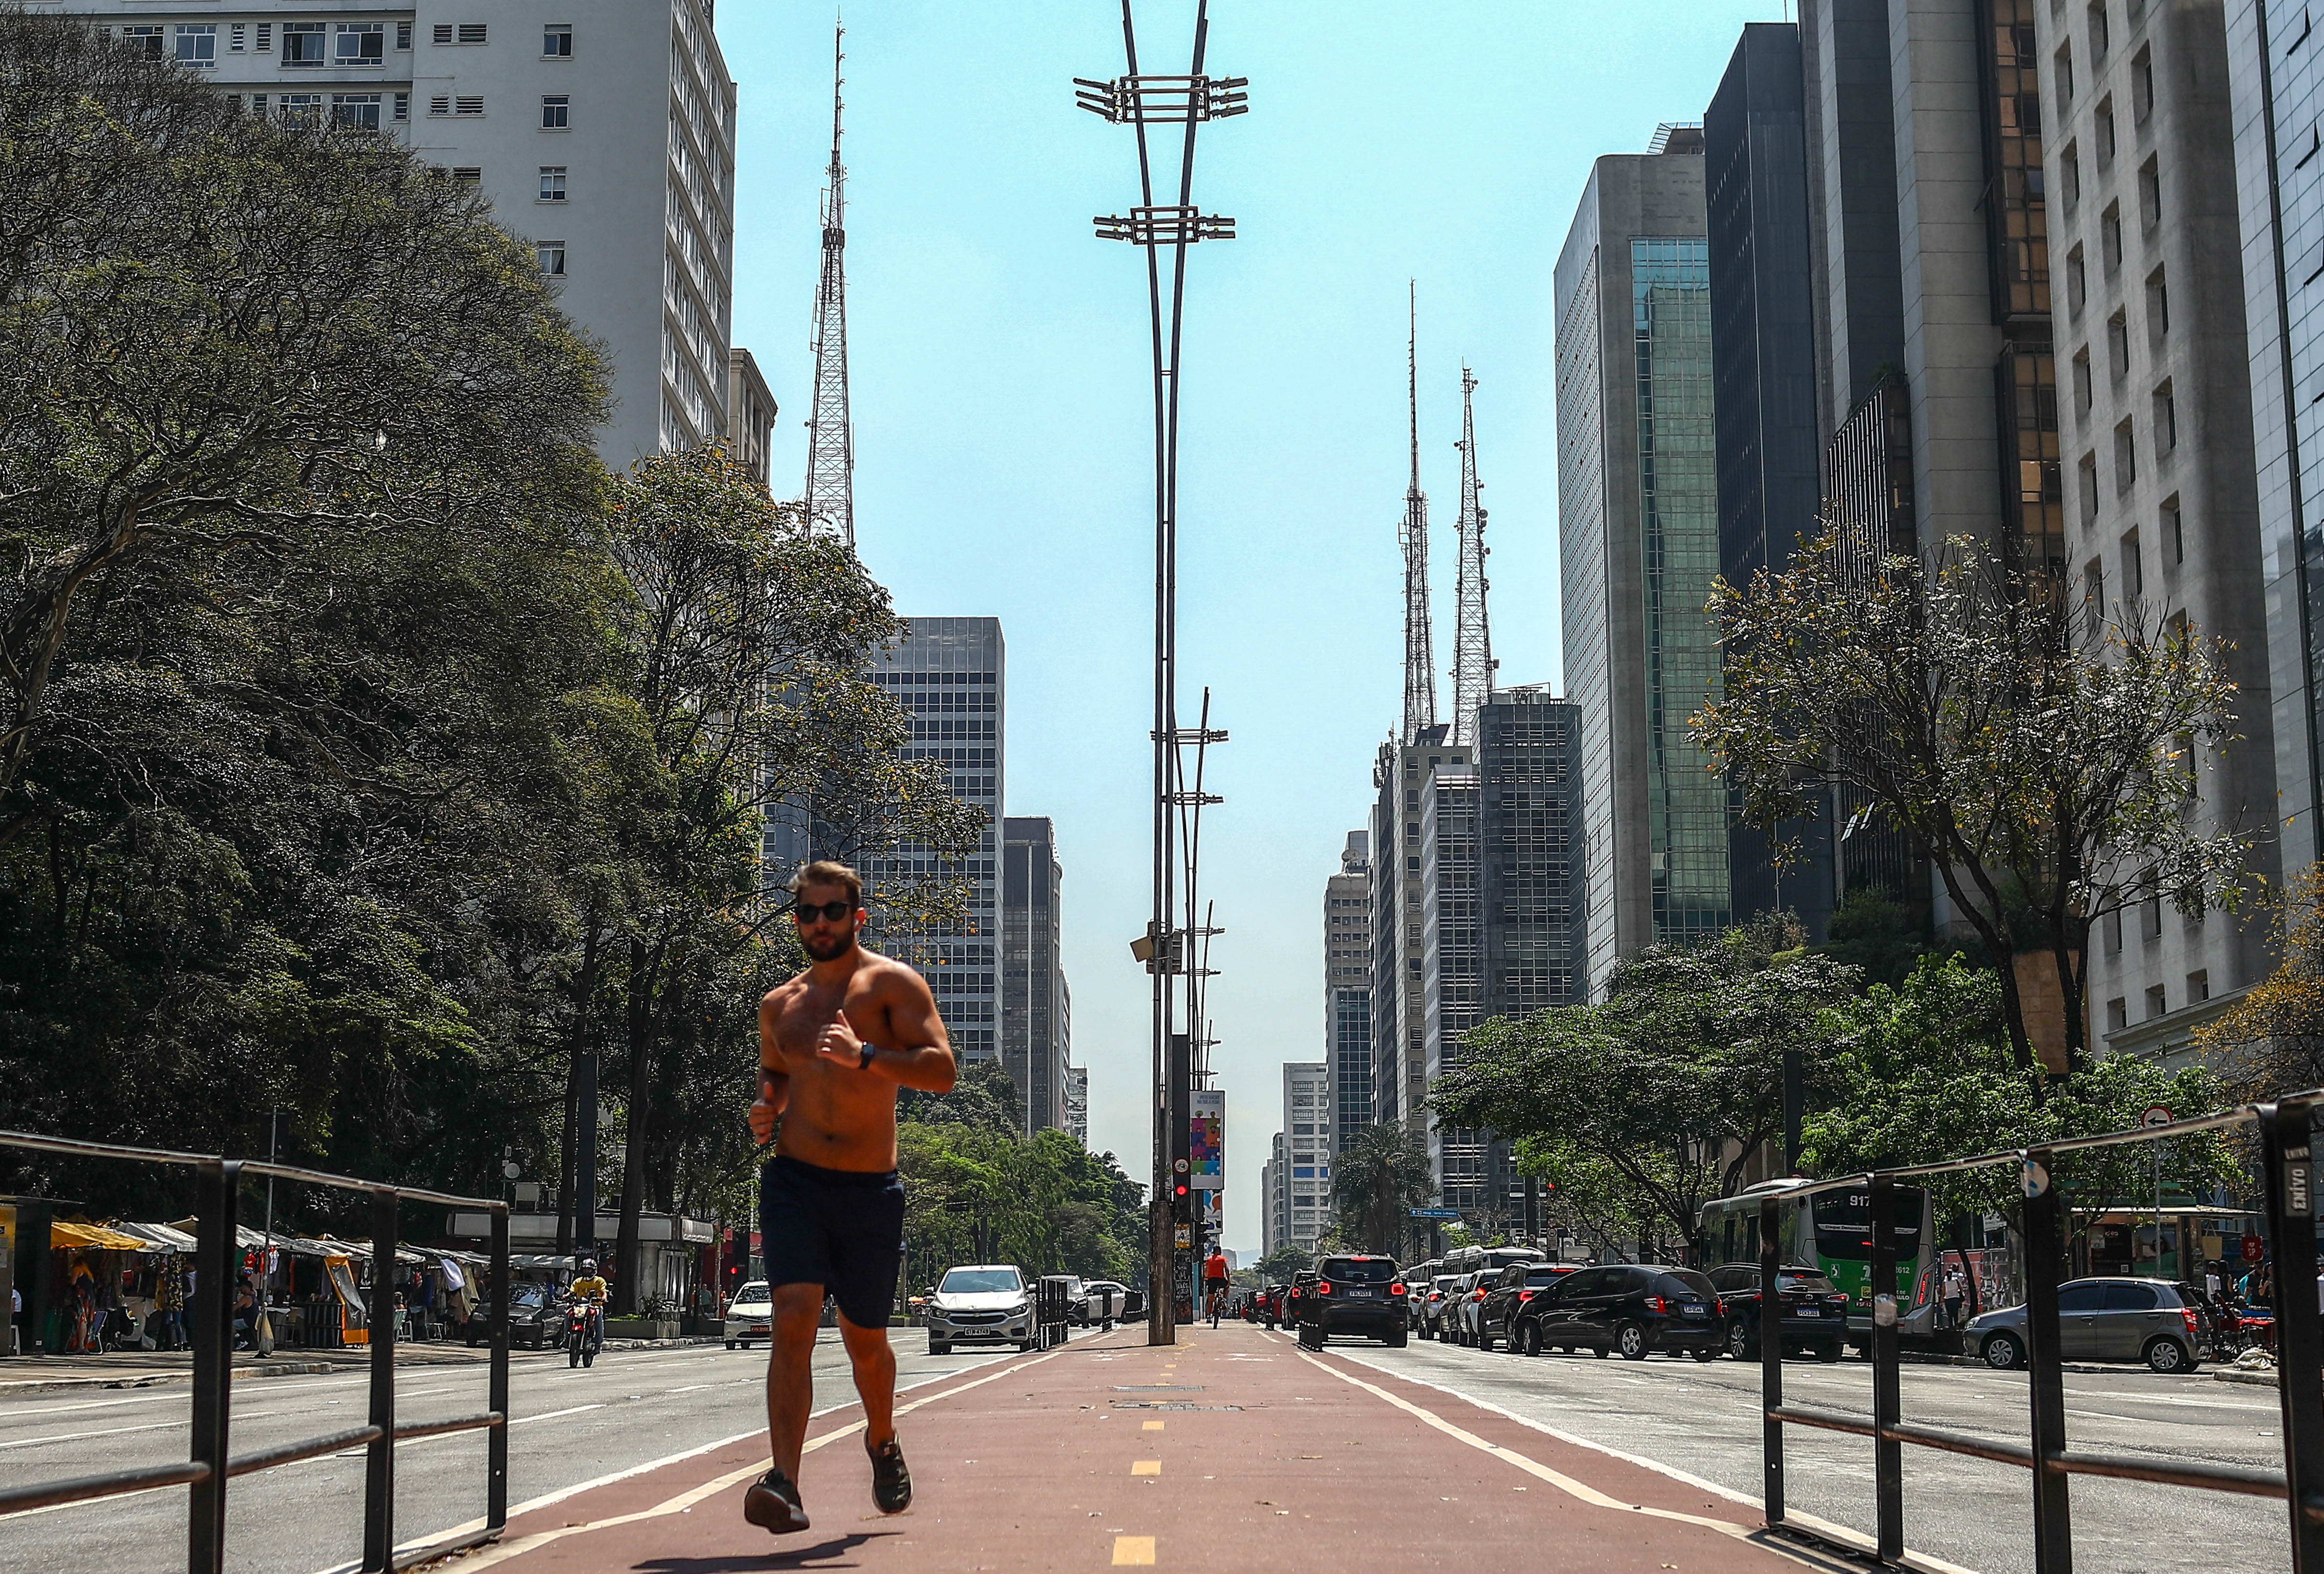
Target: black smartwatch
{"type": "Point", "coordinates": [864, 1060]}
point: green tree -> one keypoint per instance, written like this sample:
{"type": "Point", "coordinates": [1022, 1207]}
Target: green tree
{"type": "Point", "coordinates": [1378, 1176]}
{"type": "Point", "coordinates": [2041, 751]}
{"type": "Point", "coordinates": [1675, 1080]}
{"type": "Point", "coordinates": [1277, 1266]}
{"type": "Point", "coordinates": [2270, 1042]}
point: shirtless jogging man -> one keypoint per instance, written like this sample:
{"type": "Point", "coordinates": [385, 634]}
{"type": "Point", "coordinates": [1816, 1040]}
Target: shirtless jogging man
{"type": "Point", "coordinates": [834, 1043]}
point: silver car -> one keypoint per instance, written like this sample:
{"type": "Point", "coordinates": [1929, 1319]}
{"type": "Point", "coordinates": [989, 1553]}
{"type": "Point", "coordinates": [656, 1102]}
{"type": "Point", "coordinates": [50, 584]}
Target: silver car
{"type": "Point", "coordinates": [2100, 1319]}
{"type": "Point", "coordinates": [982, 1303]}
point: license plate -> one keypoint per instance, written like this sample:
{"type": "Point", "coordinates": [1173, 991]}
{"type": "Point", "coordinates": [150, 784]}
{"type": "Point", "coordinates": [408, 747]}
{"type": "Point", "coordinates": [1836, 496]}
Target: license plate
{"type": "Point", "coordinates": [1359, 1289]}
{"type": "Point", "coordinates": [1691, 1310]}
{"type": "Point", "coordinates": [1810, 1312]}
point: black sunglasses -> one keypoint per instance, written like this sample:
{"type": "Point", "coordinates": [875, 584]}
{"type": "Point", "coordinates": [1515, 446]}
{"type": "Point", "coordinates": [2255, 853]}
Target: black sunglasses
{"type": "Point", "coordinates": [836, 912]}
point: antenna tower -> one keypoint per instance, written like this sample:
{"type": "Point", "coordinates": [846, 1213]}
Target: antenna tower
{"type": "Point", "coordinates": [1419, 644]}
{"type": "Point", "coordinates": [1472, 636]}
{"type": "Point", "coordinates": [831, 442]}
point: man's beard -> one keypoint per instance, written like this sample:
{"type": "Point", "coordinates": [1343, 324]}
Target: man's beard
{"type": "Point", "coordinates": [829, 950]}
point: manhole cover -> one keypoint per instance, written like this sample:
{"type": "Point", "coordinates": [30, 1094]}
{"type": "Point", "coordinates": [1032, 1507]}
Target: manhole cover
{"type": "Point", "coordinates": [1167, 1404]}
{"type": "Point", "coordinates": [1157, 1388]}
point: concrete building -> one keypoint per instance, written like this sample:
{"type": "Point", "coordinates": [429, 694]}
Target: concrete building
{"type": "Point", "coordinates": [1348, 987]}
{"type": "Point", "coordinates": [1035, 1027]}
{"type": "Point", "coordinates": [1533, 904]}
{"type": "Point", "coordinates": [1077, 1104]}
{"type": "Point", "coordinates": [1306, 1152]}
{"type": "Point", "coordinates": [604, 137]}
{"type": "Point", "coordinates": [2158, 430]}
{"type": "Point", "coordinates": [1399, 1005]}
{"type": "Point", "coordinates": [1451, 965]}
{"type": "Point", "coordinates": [750, 417]}
{"type": "Point", "coordinates": [1764, 377]}
{"type": "Point", "coordinates": [1638, 544]}
{"type": "Point", "coordinates": [1275, 1195]}
{"type": "Point", "coordinates": [951, 674]}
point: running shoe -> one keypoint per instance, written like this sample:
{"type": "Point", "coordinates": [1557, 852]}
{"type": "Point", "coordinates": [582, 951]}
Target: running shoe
{"type": "Point", "coordinates": [773, 1503]}
{"type": "Point", "coordinates": [891, 1478]}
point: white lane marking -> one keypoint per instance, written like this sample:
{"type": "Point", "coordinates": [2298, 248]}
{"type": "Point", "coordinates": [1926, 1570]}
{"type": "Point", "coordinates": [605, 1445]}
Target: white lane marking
{"type": "Point", "coordinates": [11, 1414]}
{"type": "Point", "coordinates": [112, 1431]}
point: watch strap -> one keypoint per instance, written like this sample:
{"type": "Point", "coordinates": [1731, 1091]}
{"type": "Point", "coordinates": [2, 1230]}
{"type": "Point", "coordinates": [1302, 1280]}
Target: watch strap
{"type": "Point", "coordinates": [863, 1060]}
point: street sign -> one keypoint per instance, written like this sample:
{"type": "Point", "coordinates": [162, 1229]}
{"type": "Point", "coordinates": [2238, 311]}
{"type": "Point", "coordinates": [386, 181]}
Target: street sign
{"type": "Point", "coordinates": [1206, 1140]}
{"type": "Point", "coordinates": [2255, 1249]}
{"type": "Point", "coordinates": [1186, 1236]}
{"type": "Point", "coordinates": [1434, 1212]}
{"type": "Point", "coordinates": [2156, 1115]}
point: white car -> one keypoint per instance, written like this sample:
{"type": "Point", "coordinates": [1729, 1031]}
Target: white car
{"type": "Point", "coordinates": [980, 1304]}
{"type": "Point", "coordinates": [1103, 1300]}
{"type": "Point", "coordinates": [751, 1315]}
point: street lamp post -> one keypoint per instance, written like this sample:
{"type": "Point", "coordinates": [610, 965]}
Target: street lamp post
{"type": "Point", "coordinates": [1140, 101]}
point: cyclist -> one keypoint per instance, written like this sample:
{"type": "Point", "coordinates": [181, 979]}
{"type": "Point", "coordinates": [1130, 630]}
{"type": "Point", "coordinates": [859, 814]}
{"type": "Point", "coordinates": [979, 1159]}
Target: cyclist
{"type": "Point", "coordinates": [1214, 1284]}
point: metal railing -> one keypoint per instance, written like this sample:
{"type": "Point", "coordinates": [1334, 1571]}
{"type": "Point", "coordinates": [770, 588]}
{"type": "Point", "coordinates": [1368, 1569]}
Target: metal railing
{"type": "Point", "coordinates": [2284, 1131]}
{"type": "Point", "coordinates": [210, 1463]}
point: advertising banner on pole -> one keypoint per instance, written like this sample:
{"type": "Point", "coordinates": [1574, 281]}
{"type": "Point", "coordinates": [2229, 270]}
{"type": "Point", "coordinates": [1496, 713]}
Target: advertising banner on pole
{"type": "Point", "coordinates": [1206, 1153]}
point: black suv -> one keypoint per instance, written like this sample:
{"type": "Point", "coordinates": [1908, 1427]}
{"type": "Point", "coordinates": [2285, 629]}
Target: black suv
{"type": "Point", "coordinates": [1815, 1310]}
{"type": "Point", "coordinates": [1362, 1296]}
{"type": "Point", "coordinates": [1507, 1311]}
{"type": "Point", "coordinates": [1636, 1309]}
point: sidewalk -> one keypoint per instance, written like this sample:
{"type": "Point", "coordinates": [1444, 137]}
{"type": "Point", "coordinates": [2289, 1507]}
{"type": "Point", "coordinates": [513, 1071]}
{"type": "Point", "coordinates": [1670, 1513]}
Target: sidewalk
{"type": "Point", "coordinates": [1231, 1449]}
{"type": "Point", "coordinates": [143, 1368]}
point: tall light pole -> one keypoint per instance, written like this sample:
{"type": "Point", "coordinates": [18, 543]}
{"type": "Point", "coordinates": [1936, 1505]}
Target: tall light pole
{"type": "Point", "coordinates": [1140, 101]}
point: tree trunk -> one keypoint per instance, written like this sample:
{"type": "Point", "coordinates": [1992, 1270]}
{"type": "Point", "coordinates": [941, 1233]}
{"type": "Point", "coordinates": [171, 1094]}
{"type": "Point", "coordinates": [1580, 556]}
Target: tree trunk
{"type": "Point", "coordinates": [585, 992]}
{"type": "Point", "coordinates": [626, 1252]}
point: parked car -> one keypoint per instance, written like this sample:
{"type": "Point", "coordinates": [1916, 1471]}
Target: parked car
{"type": "Point", "coordinates": [1467, 1294]}
{"type": "Point", "coordinates": [1436, 1306]}
{"type": "Point", "coordinates": [1814, 1315]}
{"type": "Point", "coordinates": [981, 1304]}
{"type": "Point", "coordinates": [1417, 1279]}
{"type": "Point", "coordinates": [2100, 1320]}
{"type": "Point", "coordinates": [1295, 1295]}
{"type": "Point", "coordinates": [536, 1317]}
{"type": "Point", "coordinates": [750, 1315]}
{"type": "Point", "coordinates": [1506, 1313]}
{"type": "Point", "coordinates": [1356, 1296]}
{"type": "Point", "coordinates": [1637, 1309]}
{"type": "Point", "coordinates": [1270, 1303]}
{"type": "Point", "coordinates": [1103, 1300]}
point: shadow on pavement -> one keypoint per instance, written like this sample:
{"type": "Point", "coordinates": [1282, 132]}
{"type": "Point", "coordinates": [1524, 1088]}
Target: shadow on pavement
{"type": "Point", "coordinates": [783, 1558]}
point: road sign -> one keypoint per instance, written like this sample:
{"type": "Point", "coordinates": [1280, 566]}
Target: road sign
{"type": "Point", "coordinates": [2255, 1249]}
{"type": "Point", "coordinates": [2156, 1115]}
{"type": "Point", "coordinates": [1186, 1236]}
{"type": "Point", "coordinates": [1434, 1212]}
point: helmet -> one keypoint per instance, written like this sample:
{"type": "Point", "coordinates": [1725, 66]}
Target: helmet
{"type": "Point", "coordinates": [588, 1265]}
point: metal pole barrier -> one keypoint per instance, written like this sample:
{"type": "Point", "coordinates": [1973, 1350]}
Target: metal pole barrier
{"type": "Point", "coordinates": [496, 1439]}
{"type": "Point", "coordinates": [1887, 1453]}
{"type": "Point", "coordinates": [379, 1467]}
{"type": "Point", "coordinates": [1771, 1364]}
{"type": "Point", "coordinates": [2285, 1137]}
{"type": "Point", "coordinates": [2045, 1228]}
{"type": "Point", "coordinates": [217, 1186]}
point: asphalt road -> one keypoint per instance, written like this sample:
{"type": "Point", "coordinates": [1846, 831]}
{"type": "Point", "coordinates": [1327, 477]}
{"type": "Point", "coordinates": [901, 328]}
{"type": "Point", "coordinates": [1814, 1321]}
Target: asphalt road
{"type": "Point", "coordinates": [569, 1427]}
{"type": "Point", "coordinates": [1704, 1420]}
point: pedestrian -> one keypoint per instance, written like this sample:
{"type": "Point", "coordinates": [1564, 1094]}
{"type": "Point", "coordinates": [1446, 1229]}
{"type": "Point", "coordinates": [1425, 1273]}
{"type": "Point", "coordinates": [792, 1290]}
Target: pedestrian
{"type": "Point", "coordinates": [835, 1044]}
{"type": "Point", "coordinates": [1956, 1292]}
{"type": "Point", "coordinates": [245, 1317]}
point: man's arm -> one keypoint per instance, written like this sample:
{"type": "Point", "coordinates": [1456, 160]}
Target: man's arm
{"type": "Point", "coordinates": [922, 1057]}
{"type": "Point", "coordinates": [774, 1074]}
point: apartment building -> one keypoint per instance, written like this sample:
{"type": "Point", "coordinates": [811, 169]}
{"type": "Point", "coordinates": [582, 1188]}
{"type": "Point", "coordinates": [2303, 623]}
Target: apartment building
{"type": "Point", "coordinates": [1348, 987]}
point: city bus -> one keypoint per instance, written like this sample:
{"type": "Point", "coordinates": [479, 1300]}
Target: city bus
{"type": "Point", "coordinates": [1831, 1231]}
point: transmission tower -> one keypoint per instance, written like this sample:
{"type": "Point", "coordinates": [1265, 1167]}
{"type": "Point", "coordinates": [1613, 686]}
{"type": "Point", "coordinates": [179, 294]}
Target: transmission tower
{"type": "Point", "coordinates": [831, 442]}
{"type": "Point", "coordinates": [1419, 644]}
{"type": "Point", "coordinates": [1472, 636]}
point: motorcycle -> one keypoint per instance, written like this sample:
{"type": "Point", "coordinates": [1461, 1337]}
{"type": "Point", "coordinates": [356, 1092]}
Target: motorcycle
{"type": "Point", "coordinates": [585, 1333]}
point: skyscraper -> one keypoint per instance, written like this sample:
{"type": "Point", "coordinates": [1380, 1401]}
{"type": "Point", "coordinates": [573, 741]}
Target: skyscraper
{"type": "Point", "coordinates": [1077, 1104]}
{"type": "Point", "coordinates": [1035, 1030]}
{"type": "Point", "coordinates": [1306, 1152]}
{"type": "Point", "coordinates": [605, 139]}
{"type": "Point", "coordinates": [1452, 965]}
{"type": "Point", "coordinates": [950, 674]}
{"type": "Point", "coordinates": [1399, 1005]}
{"type": "Point", "coordinates": [1637, 508]}
{"type": "Point", "coordinates": [1348, 987]}
{"type": "Point", "coordinates": [1764, 375]}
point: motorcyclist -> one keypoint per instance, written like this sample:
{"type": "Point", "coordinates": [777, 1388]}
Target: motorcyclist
{"type": "Point", "coordinates": [588, 1288]}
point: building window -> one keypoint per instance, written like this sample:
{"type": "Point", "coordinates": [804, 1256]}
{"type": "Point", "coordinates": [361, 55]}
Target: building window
{"type": "Point", "coordinates": [2134, 570]}
{"type": "Point", "coordinates": [2093, 600]}
{"type": "Point", "coordinates": [552, 257]}
{"type": "Point", "coordinates": [265, 39]}
{"type": "Point", "coordinates": [2118, 345]}
{"type": "Point", "coordinates": [469, 105]}
{"type": "Point", "coordinates": [403, 107]}
{"type": "Point", "coordinates": [2150, 195]}
{"type": "Point", "coordinates": [258, 105]}
{"type": "Point", "coordinates": [2071, 162]}
{"type": "Point", "coordinates": [2166, 419]}
{"type": "Point", "coordinates": [144, 42]}
{"type": "Point", "coordinates": [2198, 987]}
{"type": "Point", "coordinates": [557, 42]}
{"type": "Point", "coordinates": [197, 44]}
{"type": "Point", "coordinates": [2149, 914]}
{"type": "Point", "coordinates": [2155, 1004]}
{"type": "Point", "coordinates": [2125, 456]}
{"type": "Point", "coordinates": [556, 112]}
{"type": "Point", "coordinates": [237, 38]}
{"type": "Point", "coordinates": [2110, 236]}
{"type": "Point", "coordinates": [2158, 306]}
{"type": "Point", "coordinates": [2086, 472]}
{"type": "Point", "coordinates": [356, 111]}
{"type": "Point", "coordinates": [439, 104]}
{"type": "Point", "coordinates": [2065, 75]}
{"type": "Point", "coordinates": [2142, 85]}
{"type": "Point", "coordinates": [2118, 1014]}
{"type": "Point", "coordinates": [2112, 929]}
{"type": "Point", "coordinates": [2082, 380]}
{"type": "Point", "coordinates": [304, 43]}
{"type": "Point", "coordinates": [465, 32]}
{"type": "Point", "coordinates": [2078, 288]}
{"type": "Point", "coordinates": [553, 183]}
{"type": "Point", "coordinates": [404, 35]}
{"type": "Point", "coordinates": [2098, 36]}
{"type": "Point", "coordinates": [2102, 129]}
{"type": "Point", "coordinates": [468, 174]}
{"type": "Point", "coordinates": [301, 108]}
{"type": "Point", "coordinates": [359, 44]}
{"type": "Point", "coordinates": [2173, 528]}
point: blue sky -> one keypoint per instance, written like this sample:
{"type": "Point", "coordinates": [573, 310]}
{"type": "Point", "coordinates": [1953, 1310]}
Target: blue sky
{"type": "Point", "coordinates": [1003, 422]}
